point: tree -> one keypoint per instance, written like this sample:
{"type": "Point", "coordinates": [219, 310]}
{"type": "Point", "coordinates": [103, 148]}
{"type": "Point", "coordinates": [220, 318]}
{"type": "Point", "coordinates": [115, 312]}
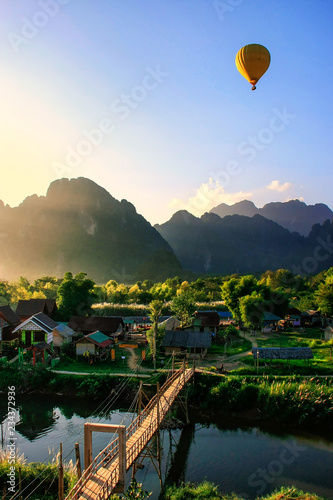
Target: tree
{"type": "Point", "coordinates": [236, 288]}
{"type": "Point", "coordinates": [184, 306]}
{"type": "Point", "coordinates": [324, 296]}
{"type": "Point", "coordinates": [155, 309]}
{"type": "Point", "coordinates": [75, 295]}
{"type": "Point", "coordinates": [252, 310]}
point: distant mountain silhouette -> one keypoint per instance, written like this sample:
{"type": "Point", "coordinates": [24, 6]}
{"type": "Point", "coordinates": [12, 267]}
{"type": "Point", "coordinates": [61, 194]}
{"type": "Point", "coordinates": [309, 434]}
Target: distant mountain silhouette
{"type": "Point", "coordinates": [240, 244]}
{"type": "Point", "coordinates": [79, 226]}
{"type": "Point", "coordinates": [294, 215]}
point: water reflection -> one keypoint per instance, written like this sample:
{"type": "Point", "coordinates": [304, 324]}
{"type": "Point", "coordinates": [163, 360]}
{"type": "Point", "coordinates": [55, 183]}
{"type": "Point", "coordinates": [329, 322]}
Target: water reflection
{"type": "Point", "coordinates": [249, 460]}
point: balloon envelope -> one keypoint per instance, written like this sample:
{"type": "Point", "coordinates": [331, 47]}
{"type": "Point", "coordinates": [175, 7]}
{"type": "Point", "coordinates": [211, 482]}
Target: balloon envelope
{"type": "Point", "coordinates": [252, 61]}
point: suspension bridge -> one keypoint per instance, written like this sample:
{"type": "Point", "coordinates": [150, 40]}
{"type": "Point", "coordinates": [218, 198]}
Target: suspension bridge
{"type": "Point", "coordinates": [106, 473]}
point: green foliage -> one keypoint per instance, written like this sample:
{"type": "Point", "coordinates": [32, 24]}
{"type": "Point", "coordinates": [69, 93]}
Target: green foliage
{"type": "Point", "coordinates": [135, 492]}
{"type": "Point", "coordinates": [75, 295]}
{"type": "Point", "coordinates": [189, 491]}
{"type": "Point", "coordinates": [207, 491]}
{"type": "Point", "coordinates": [184, 306]}
{"type": "Point", "coordinates": [47, 474]}
{"type": "Point", "coordinates": [306, 402]}
{"type": "Point", "coordinates": [160, 332]}
{"type": "Point", "coordinates": [324, 296]}
{"type": "Point", "coordinates": [251, 308]}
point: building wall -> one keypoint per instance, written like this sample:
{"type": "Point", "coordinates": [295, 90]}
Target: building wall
{"type": "Point", "coordinates": [82, 347]}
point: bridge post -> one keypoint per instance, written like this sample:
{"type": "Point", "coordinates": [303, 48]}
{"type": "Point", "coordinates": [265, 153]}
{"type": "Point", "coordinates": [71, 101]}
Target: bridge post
{"type": "Point", "coordinates": [121, 430]}
{"type": "Point", "coordinates": [140, 402]}
{"type": "Point", "coordinates": [87, 445]}
{"type": "Point", "coordinates": [158, 404]}
{"type": "Point", "coordinates": [122, 456]}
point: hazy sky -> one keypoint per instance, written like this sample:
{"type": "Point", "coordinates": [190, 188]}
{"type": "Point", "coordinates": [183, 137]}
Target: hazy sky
{"type": "Point", "coordinates": [144, 98]}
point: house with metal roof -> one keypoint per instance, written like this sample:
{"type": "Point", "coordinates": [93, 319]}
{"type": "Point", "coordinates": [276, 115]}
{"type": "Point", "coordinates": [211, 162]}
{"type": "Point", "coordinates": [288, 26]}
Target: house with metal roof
{"type": "Point", "coordinates": [226, 317]}
{"type": "Point", "coordinates": [95, 345]}
{"type": "Point", "coordinates": [37, 328]}
{"type": "Point", "coordinates": [204, 322]}
{"type": "Point", "coordinates": [187, 343]}
{"type": "Point", "coordinates": [8, 322]}
{"type": "Point", "coordinates": [27, 308]}
{"type": "Point", "coordinates": [112, 326]}
{"type": "Point", "coordinates": [62, 333]}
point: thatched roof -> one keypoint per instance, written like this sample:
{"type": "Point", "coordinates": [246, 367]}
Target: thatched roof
{"type": "Point", "coordinates": [185, 339]}
{"type": "Point", "coordinates": [105, 324]}
{"type": "Point", "coordinates": [282, 352]}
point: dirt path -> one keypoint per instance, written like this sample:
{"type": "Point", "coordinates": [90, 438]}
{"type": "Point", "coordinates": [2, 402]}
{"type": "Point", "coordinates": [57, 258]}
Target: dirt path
{"type": "Point", "coordinates": [230, 362]}
{"type": "Point", "coordinates": [133, 359]}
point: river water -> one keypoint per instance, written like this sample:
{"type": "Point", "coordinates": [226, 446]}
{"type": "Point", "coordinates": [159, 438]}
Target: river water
{"type": "Point", "coordinates": [247, 460]}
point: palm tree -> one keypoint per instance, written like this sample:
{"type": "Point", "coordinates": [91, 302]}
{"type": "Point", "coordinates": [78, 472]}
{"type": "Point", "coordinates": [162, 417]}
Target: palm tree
{"type": "Point", "coordinates": [155, 309]}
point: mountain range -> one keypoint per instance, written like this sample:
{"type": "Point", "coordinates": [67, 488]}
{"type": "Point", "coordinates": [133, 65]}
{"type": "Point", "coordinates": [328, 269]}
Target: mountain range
{"type": "Point", "coordinates": [79, 226]}
{"type": "Point", "coordinates": [240, 244]}
{"type": "Point", "coordinates": [294, 215]}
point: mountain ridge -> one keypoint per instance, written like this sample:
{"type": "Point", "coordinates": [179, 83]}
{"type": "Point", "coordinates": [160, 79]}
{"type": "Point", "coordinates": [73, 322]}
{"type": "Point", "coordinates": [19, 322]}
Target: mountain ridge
{"type": "Point", "coordinates": [79, 226]}
{"type": "Point", "coordinates": [294, 215]}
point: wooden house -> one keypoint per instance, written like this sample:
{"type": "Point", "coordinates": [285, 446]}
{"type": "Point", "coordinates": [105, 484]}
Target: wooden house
{"type": "Point", "coordinates": [186, 343]}
{"type": "Point", "coordinates": [311, 318]}
{"type": "Point", "coordinates": [8, 322]}
{"type": "Point", "coordinates": [171, 323]}
{"type": "Point", "coordinates": [226, 317]}
{"type": "Point", "coordinates": [205, 322]}
{"type": "Point", "coordinates": [36, 329]}
{"type": "Point", "coordinates": [61, 333]}
{"type": "Point", "coordinates": [270, 319]}
{"type": "Point", "coordinates": [95, 345]}
{"type": "Point", "coordinates": [112, 326]}
{"type": "Point", "coordinates": [27, 308]}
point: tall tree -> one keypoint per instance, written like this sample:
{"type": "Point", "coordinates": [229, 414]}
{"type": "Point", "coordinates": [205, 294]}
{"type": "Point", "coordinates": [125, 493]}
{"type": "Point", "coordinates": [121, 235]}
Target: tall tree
{"type": "Point", "coordinates": [252, 310]}
{"type": "Point", "coordinates": [184, 306]}
{"type": "Point", "coordinates": [324, 296]}
{"type": "Point", "coordinates": [75, 295]}
{"type": "Point", "coordinates": [155, 309]}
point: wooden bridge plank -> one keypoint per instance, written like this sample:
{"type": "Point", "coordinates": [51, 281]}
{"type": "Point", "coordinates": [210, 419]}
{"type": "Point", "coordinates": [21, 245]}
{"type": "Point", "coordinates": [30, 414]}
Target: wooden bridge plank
{"type": "Point", "coordinates": [92, 490]}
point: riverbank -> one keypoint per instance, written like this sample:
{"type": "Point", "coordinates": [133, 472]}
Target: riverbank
{"type": "Point", "coordinates": [295, 400]}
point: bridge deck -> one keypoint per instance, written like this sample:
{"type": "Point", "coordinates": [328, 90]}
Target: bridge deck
{"type": "Point", "coordinates": [100, 483]}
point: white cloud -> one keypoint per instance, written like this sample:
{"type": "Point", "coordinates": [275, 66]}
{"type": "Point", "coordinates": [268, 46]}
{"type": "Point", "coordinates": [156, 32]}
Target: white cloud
{"type": "Point", "coordinates": [276, 186]}
{"type": "Point", "coordinates": [208, 195]}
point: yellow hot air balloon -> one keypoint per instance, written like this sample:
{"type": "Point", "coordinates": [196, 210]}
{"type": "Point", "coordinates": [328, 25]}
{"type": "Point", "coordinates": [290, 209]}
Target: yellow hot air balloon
{"type": "Point", "coordinates": [252, 61]}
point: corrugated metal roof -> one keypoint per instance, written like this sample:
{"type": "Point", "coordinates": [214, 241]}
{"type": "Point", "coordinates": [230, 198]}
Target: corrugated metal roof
{"type": "Point", "coordinates": [99, 339]}
{"type": "Point", "coordinates": [207, 318]}
{"type": "Point", "coordinates": [42, 320]}
{"type": "Point", "coordinates": [282, 352]}
{"type": "Point", "coordinates": [224, 314]}
{"type": "Point", "coordinates": [268, 316]}
{"type": "Point", "coordinates": [33, 306]}
{"type": "Point", "coordinates": [7, 313]}
{"type": "Point", "coordinates": [105, 324]}
{"type": "Point", "coordinates": [187, 339]}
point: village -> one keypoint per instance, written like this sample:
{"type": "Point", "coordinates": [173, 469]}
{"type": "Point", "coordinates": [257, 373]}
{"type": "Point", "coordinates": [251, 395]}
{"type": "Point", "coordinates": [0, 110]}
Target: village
{"type": "Point", "coordinates": [31, 334]}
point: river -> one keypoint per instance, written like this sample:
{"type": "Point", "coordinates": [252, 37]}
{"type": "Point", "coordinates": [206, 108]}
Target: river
{"type": "Point", "coordinates": [249, 460]}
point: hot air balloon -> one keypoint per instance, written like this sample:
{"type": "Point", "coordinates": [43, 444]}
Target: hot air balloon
{"type": "Point", "coordinates": [252, 61]}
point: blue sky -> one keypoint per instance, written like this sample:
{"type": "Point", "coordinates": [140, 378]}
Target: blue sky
{"type": "Point", "coordinates": [144, 98]}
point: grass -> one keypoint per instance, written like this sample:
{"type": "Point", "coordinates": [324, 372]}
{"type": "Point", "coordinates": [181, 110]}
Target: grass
{"type": "Point", "coordinates": [296, 400]}
{"type": "Point", "coordinates": [207, 491]}
{"type": "Point", "coordinates": [235, 344]}
{"type": "Point", "coordinates": [37, 479]}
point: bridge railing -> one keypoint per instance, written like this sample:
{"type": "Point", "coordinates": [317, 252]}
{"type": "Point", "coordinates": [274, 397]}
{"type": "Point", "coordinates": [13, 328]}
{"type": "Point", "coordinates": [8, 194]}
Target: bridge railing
{"type": "Point", "coordinates": [110, 452]}
{"type": "Point", "coordinates": [132, 428]}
